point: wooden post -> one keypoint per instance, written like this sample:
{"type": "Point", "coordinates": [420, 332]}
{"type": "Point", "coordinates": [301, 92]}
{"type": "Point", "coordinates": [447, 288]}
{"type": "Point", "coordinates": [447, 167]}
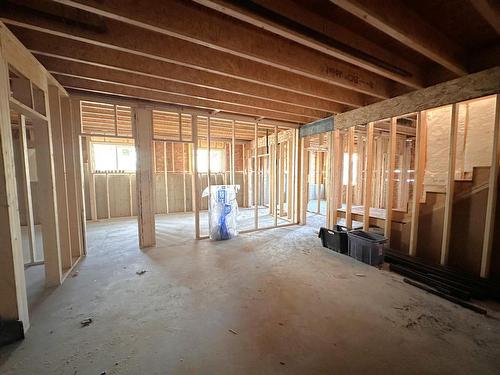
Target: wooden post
{"type": "Point", "coordinates": [256, 177]}
{"type": "Point", "coordinates": [14, 302]}
{"type": "Point", "coordinates": [195, 182]}
{"type": "Point", "coordinates": [144, 182]}
{"type": "Point", "coordinates": [318, 181]}
{"type": "Point", "coordinates": [329, 181]}
{"type": "Point", "coordinates": [418, 183]}
{"type": "Point", "coordinates": [209, 150]}
{"type": "Point", "coordinates": [165, 174]}
{"type": "Point", "coordinates": [338, 160]}
{"type": "Point", "coordinates": [78, 166]}
{"type": "Point", "coordinates": [26, 184]}
{"type": "Point", "coordinates": [275, 175]}
{"type": "Point", "coordinates": [304, 174]}
{"type": "Point", "coordinates": [184, 176]}
{"type": "Point", "coordinates": [390, 180]}
{"type": "Point", "coordinates": [60, 176]}
{"type": "Point", "coordinates": [450, 185]}
{"type": "Point", "coordinates": [232, 166]}
{"type": "Point", "coordinates": [91, 179]}
{"type": "Point", "coordinates": [48, 204]}
{"type": "Point", "coordinates": [296, 177]}
{"type": "Point", "coordinates": [367, 200]}
{"type": "Point", "coordinates": [71, 178]}
{"type": "Point", "coordinates": [349, 188]}
{"type": "Point", "coordinates": [489, 226]}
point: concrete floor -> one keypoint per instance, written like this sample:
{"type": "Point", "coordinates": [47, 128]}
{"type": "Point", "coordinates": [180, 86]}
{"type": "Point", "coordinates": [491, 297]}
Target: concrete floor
{"type": "Point", "coordinates": [267, 302]}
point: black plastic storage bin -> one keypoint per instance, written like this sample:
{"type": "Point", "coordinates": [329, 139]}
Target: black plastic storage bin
{"type": "Point", "coordinates": [335, 239]}
{"type": "Point", "coordinates": [366, 247]}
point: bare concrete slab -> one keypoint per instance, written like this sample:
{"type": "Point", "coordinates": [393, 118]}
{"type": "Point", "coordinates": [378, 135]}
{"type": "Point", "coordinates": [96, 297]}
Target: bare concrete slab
{"type": "Point", "coordinates": [272, 302]}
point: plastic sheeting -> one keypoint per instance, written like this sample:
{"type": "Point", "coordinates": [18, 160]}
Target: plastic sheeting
{"type": "Point", "coordinates": [222, 211]}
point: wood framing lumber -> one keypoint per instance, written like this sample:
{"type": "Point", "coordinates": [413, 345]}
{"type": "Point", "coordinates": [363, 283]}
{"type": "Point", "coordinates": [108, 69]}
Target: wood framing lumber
{"type": "Point", "coordinates": [490, 11]}
{"type": "Point", "coordinates": [71, 177]}
{"type": "Point", "coordinates": [418, 184]}
{"type": "Point", "coordinates": [317, 127]}
{"type": "Point", "coordinates": [389, 201]}
{"type": "Point", "coordinates": [472, 86]}
{"type": "Point", "coordinates": [222, 34]}
{"type": "Point", "coordinates": [60, 176]}
{"type": "Point", "coordinates": [399, 22]}
{"type": "Point", "coordinates": [367, 198]}
{"type": "Point", "coordinates": [308, 37]}
{"type": "Point", "coordinates": [130, 39]}
{"type": "Point", "coordinates": [25, 177]}
{"type": "Point", "coordinates": [491, 204]}
{"type": "Point", "coordinates": [13, 295]}
{"type": "Point", "coordinates": [195, 180]}
{"type": "Point", "coordinates": [349, 187]}
{"type": "Point", "coordinates": [144, 175]}
{"type": "Point", "coordinates": [450, 185]}
{"type": "Point", "coordinates": [275, 172]}
{"type": "Point", "coordinates": [304, 181]}
{"type": "Point", "coordinates": [338, 154]}
{"type": "Point", "coordinates": [256, 177]}
{"type": "Point", "coordinates": [48, 205]}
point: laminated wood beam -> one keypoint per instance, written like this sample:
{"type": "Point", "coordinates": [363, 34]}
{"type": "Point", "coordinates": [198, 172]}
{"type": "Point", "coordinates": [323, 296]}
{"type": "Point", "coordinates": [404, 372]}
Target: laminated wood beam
{"type": "Point", "coordinates": [491, 204]}
{"type": "Point", "coordinates": [401, 23]}
{"type": "Point", "coordinates": [389, 201]}
{"type": "Point", "coordinates": [140, 42]}
{"type": "Point", "coordinates": [222, 34]}
{"type": "Point", "coordinates": [450, 185]}
{"type": "Point", "coordinates": [13, 295]}
{"type": "Point", "coordinates": [144, 181]}
{"type": "Point", "coordinates": [486, 82]}
{"type": "Point", "coordinates": [306, 36]}
{"type": "Point", "coordinates": [367, 199]}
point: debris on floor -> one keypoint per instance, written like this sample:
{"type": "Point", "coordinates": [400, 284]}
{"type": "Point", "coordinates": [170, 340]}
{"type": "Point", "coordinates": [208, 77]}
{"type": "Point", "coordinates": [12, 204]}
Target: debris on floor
{"type": "Point", "coordinates": [360, 275]}
{"type": "Point", "coordinates": [86, 322]}
{"type": "Point", "coordinates": [233, 331]}
{"type": "Point", "coordinates": [75, 274]}
{"type": "Point", "coordinates": [141, 272]}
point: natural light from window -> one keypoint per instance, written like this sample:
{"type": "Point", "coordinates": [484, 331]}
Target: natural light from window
{"type": "Point", "coordinates": [114, 158]}
{"type": "Point", "coordinates": [216, 160]}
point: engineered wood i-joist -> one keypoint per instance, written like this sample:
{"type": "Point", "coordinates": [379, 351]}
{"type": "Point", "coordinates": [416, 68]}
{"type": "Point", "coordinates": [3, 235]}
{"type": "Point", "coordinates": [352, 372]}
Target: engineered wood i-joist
{"type": "Point", "coordinates": [12, 279]}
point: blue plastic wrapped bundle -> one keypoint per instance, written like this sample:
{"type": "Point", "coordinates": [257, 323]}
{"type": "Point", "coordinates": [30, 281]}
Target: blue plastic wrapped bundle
{"type": "Point", "coordinates": [223, 211]}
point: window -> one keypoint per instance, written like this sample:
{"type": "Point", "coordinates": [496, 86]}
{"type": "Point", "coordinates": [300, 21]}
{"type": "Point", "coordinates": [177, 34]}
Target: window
{"type": "Point", "coordinates": [110, 157]}
{"type": "Point", "coordinates": [216, 160]}
{"type": "Point", "coordinates": [345, 171]}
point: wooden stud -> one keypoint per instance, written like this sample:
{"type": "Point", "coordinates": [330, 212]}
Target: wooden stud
{"type": "Point", "coordinates": [60, 176]}
{"type": "Point", "coordinates": [338, 160]}
{"type": "Point", "coordinates": [14, 303]}
{"type": "Point", "coordinates": [165, 175]}
{"type": "Point", "coordinates": [184, 177]}
{"type": "Point", "coordinates": [390, 180]}
{"type": "Point", "coordinates": [256, 177]}
{"type": "Point", "coordinates": [195, 182]}
{"type": "Point", "coordinates": [418, 183]}
{"type": "Point", "coordinates": [367, 199]}
{"type": "Point", "coordinates": [108, 203]}
{"type": "Point", "coordinates": [349, 188]}
{"type": "Point", "coordinates": [144, 177]}
{"type": "Point", "coordinates": [489, 226]}
{"type": "Point", "coordinates": [26, 186]}
{"type": "Point", "coordinates": [233, 141]}
{"type": "Point", "coordinates": [304, 173]}
{"type": "Point", "coordinates": [91, 178]}
{"type": "Point", "coordinates": [275, 175]}
{"type": "Point", "coordinates": [289, 177]}
{"type": "Point", "coordinates": [450, 185]}
{"type": "Point", "coordinates": [71, 179]}
{"type": "Point", "coordinates": [296, 177]}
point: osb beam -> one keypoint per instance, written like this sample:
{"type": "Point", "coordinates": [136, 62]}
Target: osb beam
{"type": "Point", "coordinates": [235, 38]}
{"type": "Point", "coordinates": [460, 89]}
{"type": "Point", "coordinates": [395, 19]}
{"type": "Point", "coordinates": [137, 91]}
{"type": "Point", "coordinates": [403, 72]}
{"type": "Point", "coordinates": [130, 39]}
{"type": "Point", "coordinates": [79, 70]}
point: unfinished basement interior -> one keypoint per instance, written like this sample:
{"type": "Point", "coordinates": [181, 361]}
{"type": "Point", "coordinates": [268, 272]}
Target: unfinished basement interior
{"type": "Point", "coordinates": [249, 187]}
